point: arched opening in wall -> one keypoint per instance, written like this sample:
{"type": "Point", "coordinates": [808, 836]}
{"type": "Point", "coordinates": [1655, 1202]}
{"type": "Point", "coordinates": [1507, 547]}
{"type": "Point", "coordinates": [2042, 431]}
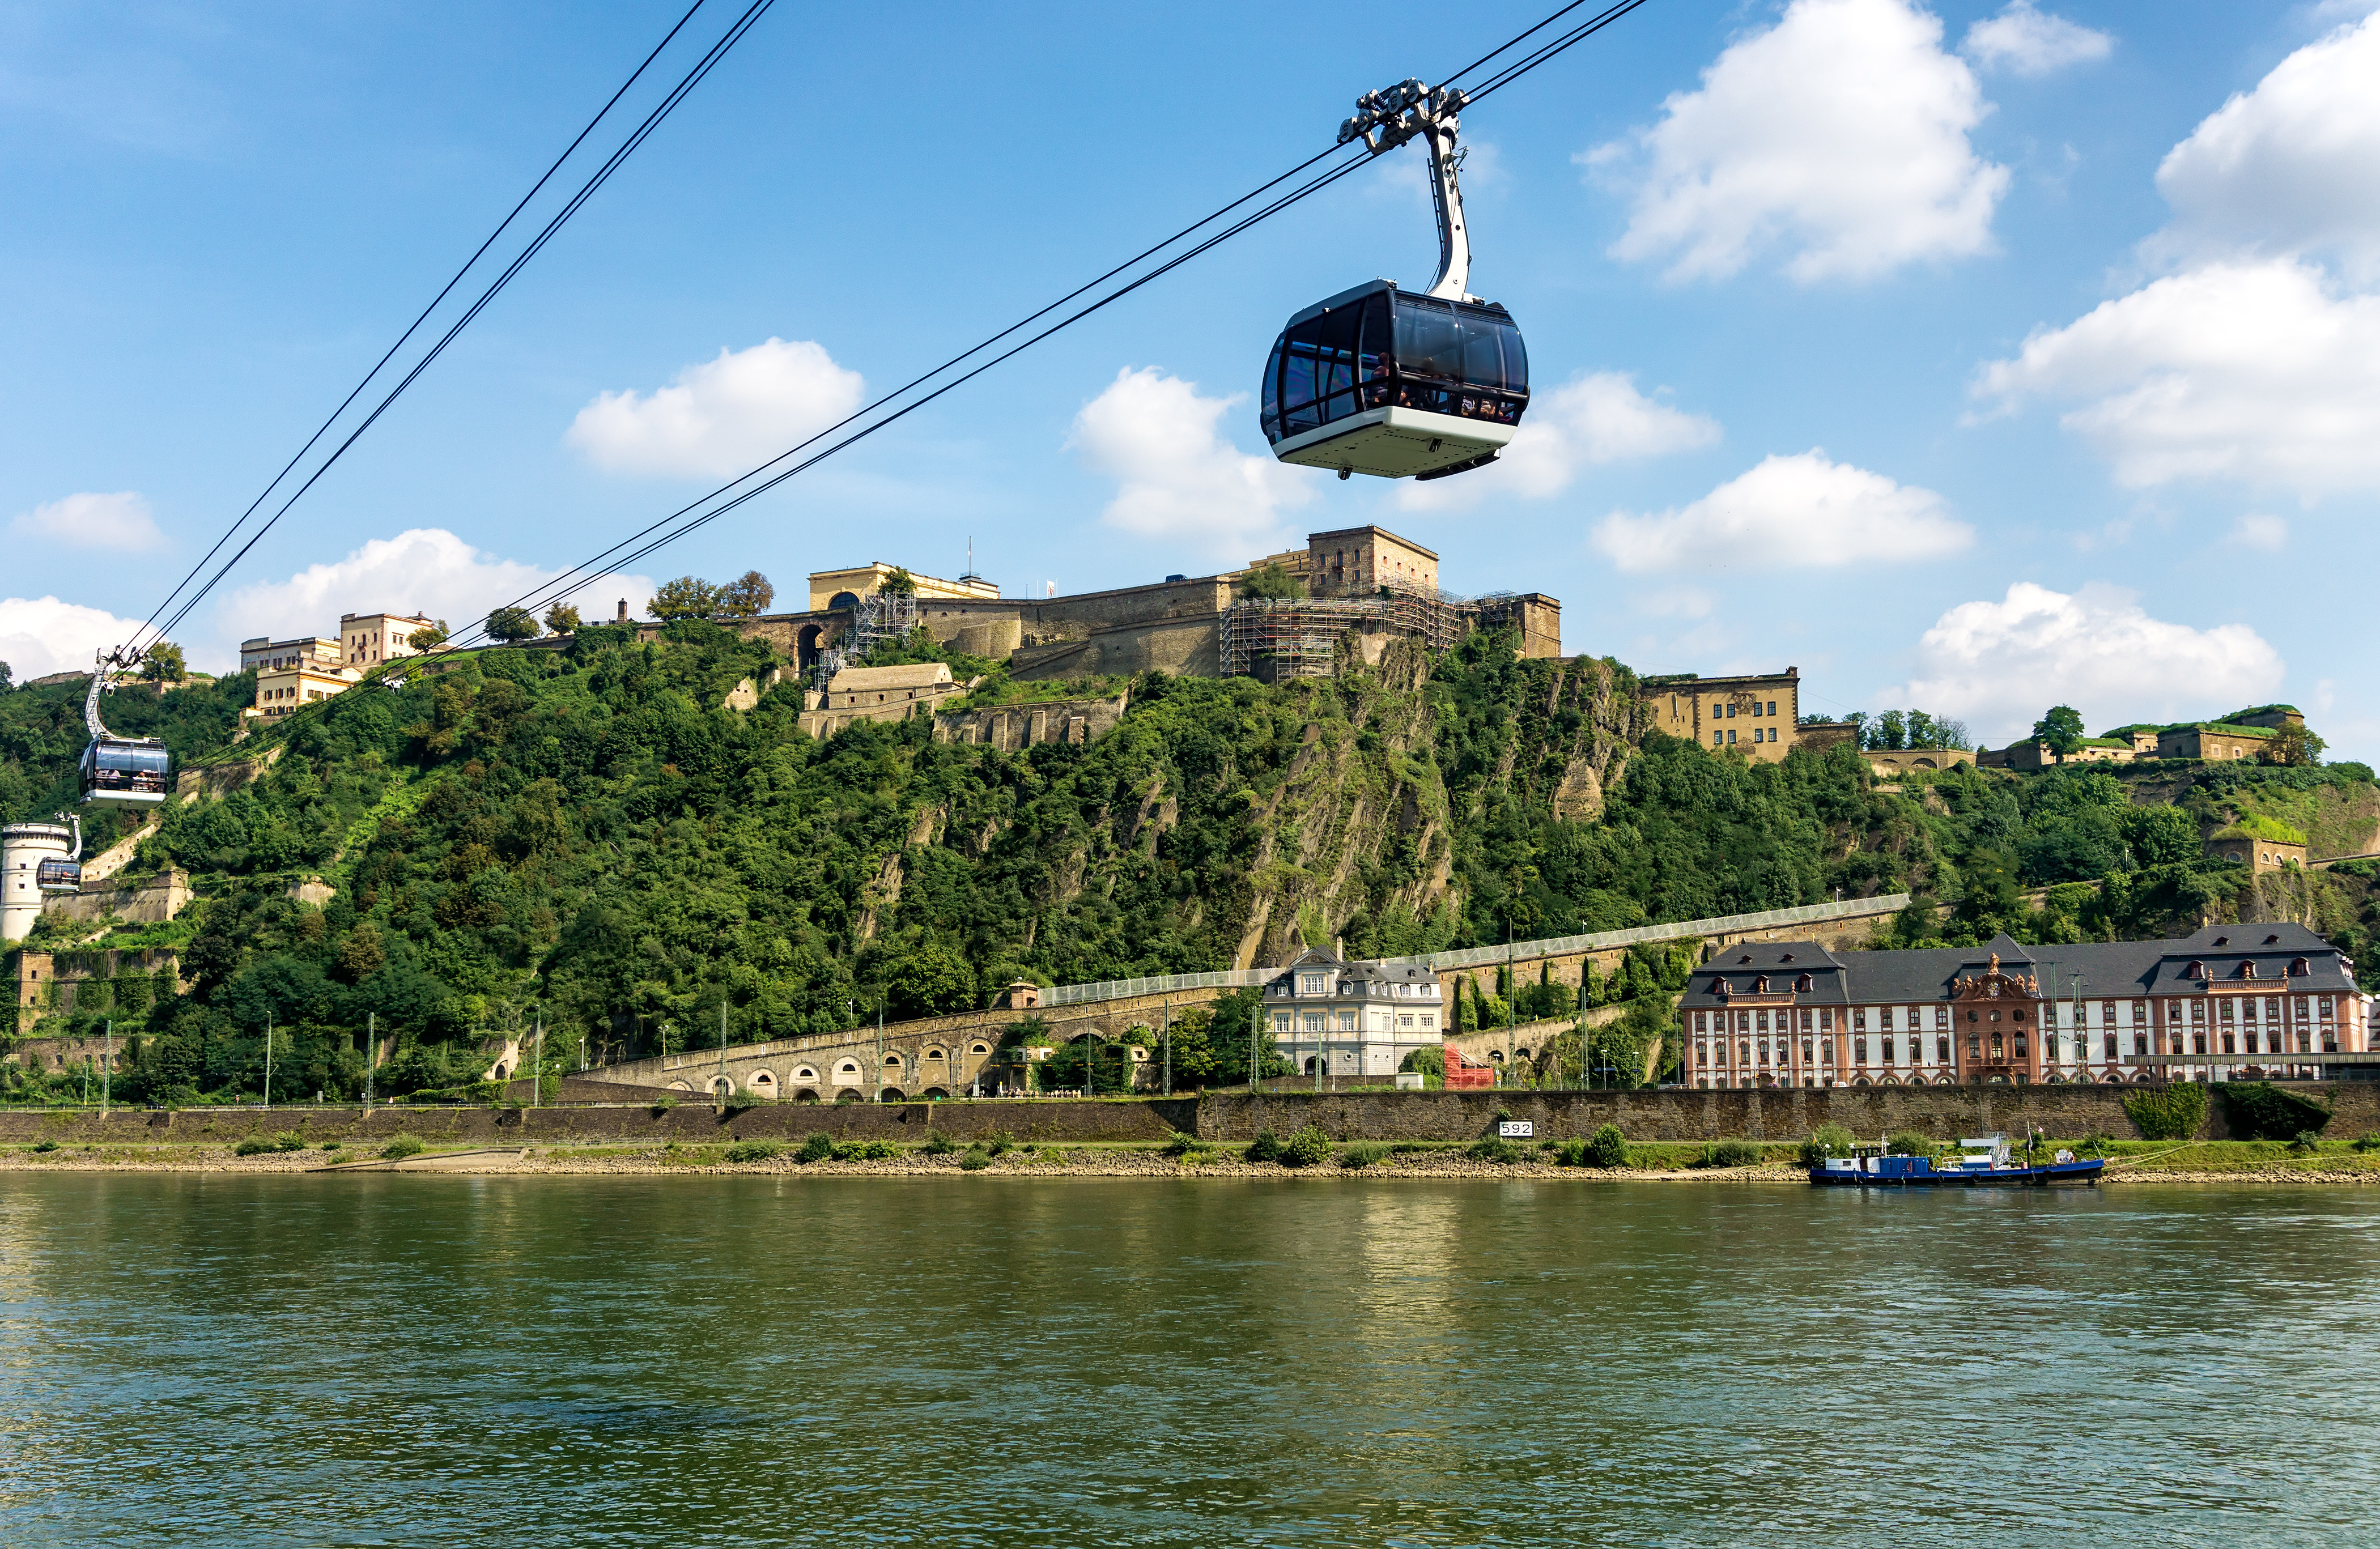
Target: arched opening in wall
{"type": "Point", "coordinates": [681, 1086]}
{"type": "Point", "coordinates": [892, 1061]}
{"type": "Point", "coordinates": [934, 1095]}
{"type": "Point", "coordinates": [933, 1055]}
{"type": "Point", "coordinates": [807, 644]}
{"type": "Point", "coordinates": [891, 1095]}
{"type": "Point", "coordinates": [842, 602]}
{"type": "Point", "coordinates": [1308, 1067]}
{"type": "Point", "coordinates": [851, 1094]}
{"type": "Point", "coordinates": [847, 1073]}
{"type": "Point", "coordinates": [807, 1094]}
{"type": "Point", "coordinates": [1888, 1081]}
{"type": "Point", "coordinates": [760, 1083]}
{"type": "Point", "coordinates": [978, 1049]}
{"type": "Point", "coordinates": [1520, 1054]}
{"type": "Point", "coordinates": [721, 1088]}
{"type": "Point", "coordinates": [806, 1073]}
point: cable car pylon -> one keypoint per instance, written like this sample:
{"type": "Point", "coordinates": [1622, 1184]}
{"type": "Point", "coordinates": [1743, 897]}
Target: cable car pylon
{"type": "Point", "coordinates": [1402, 384]}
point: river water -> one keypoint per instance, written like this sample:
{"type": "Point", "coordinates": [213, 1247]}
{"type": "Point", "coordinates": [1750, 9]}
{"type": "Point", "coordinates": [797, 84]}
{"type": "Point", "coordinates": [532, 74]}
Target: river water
{"type": "Point", "coordinates": [423, 1360]}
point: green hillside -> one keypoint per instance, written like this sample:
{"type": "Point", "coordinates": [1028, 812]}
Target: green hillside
{"type": "Point", "coordinates": [587, 835]}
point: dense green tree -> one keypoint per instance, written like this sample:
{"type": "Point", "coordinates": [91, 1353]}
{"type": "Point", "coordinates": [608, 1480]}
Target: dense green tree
{"type": "Point", "coordinates": [2061, 731]}
{"type": "Point", "coordinates": [688, 597]}
{"type": "Point", "coordinates": [512, 624]}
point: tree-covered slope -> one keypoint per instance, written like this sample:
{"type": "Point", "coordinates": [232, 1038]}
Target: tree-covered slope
{"type": "Point", "coordinates": [588, 835]}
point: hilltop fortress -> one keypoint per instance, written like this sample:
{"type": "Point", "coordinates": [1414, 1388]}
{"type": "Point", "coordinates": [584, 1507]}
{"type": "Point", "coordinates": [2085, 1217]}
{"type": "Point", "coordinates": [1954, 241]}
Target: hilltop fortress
{"type": "Point", "coordinates": [1362, 588]}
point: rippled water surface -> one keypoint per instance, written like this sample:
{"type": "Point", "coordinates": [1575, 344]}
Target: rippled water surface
{"type": "Point", "coordinates": [422, 1359]}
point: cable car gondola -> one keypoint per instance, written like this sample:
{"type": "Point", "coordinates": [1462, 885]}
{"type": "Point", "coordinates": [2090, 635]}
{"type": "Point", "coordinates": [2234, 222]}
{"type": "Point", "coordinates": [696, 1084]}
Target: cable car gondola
{"type": "Point", "coordinates": [1387, 382]}
{"type": "Point", "coordinates": [61, 876]}
{"type": "Point", "coordinates": [120, 772]}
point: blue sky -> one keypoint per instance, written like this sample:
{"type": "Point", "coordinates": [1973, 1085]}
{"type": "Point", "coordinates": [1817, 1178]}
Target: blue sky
{"type": "Point", "coordinates": [1977, 357]}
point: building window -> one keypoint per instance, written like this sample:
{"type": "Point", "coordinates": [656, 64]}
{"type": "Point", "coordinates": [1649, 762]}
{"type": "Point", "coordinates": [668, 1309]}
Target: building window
{"type": "Point", "coordinates": [1730, 736]}
{"type": "Point", "coordinates": [1942, 1050]}
{"type": "Point", "coordinates": [1281, 1021]}
{"type": "Point", "coordinates": [1718, 739]}
{"type": "Point", "coordinates": [1346, 1022]}
{"type": "Point", "coordinates": [1314, 1021]}
{"type": "Point", "coordinates": [1859, 1051]}
{"type": "Point", "coordinates": [2111, 1045]}
{"type": "Point", "coordinates": [1429, 1019]}
{"type": "Point", "coordinates": [1772, 706]}
{"type": "Point", "coordinates": [1702, 1054]}
{"type": "Point", "coordinates": [1311, 983]}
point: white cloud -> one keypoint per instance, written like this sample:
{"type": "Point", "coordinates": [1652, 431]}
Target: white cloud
{"type": "Point", "coordinates": [120, 520]}
{"type": "Point", "coordinates": [2293, 166]}
{"type": "Point", "coordinates": [2030, 42]}
{"type": "Point", "coordinates": [2001, 664]}
{"type": "Point", "coordinates": [1838, 136]}
{"type": "Point", "coordinates": [2256, 530]}
{"type": "Point", "coordinates": [1177, 479]}
{"type": "Point", "coordinates": [1588, 421]}
{"type": "Point", "coordinates": [1796, 512]}
{"type": "Point", "coordinates": [40, 635]}
{"type": "Point", "coordinates": [720, 417]}
{"type": "Point", "coordinates": [1675, 602]}
{"type": "Point", "coordinates": [2252, 371]}
{"type": "Point", "coordinates": [426, 569]}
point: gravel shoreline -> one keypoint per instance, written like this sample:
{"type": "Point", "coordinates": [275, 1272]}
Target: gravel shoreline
{"type": "Point", "coordinates": [1047, 1162]}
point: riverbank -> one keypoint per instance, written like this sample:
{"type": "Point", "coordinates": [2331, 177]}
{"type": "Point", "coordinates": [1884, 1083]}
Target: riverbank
{"type": "Point", "coordinates": [2204, 1162]}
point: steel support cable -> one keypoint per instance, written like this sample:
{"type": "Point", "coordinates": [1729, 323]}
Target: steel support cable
{"type": "Point", "coordinates": [134, 646]}
{"type": "Point", "coordinates": [613, 558]}
{"type": "Point", "coordinates": [555, 589]}
{"type": "Point", "coordinates": [603, 174]}
{"type": "Point", "coordinates": [1569, 39]}
{"type": "Point", "coordinates": [607, 558]}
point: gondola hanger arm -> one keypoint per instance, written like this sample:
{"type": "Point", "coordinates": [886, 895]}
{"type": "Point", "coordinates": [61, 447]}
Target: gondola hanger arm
{"type": "Point", "coordinates": [1388, 118]}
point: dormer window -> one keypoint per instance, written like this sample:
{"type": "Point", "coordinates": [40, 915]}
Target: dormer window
{"type": "Point", "coordinates": [1745, 958]}
{"type": "Point", "coordinates": [1801, 984]}
{"type": "Point", "coordinates": [2247, 970]}
{"type": "Point", "coordinates": [2298, 968]}
{"type": "Point", "coordinates": [1760, 986]}
{"type": "Point", "coordinates": [1787, 958]}
{"type": "Point", "coordinates": [2195, 971]}
{"type": "Point", "coordinates": [1312, 984]}
{"type": "Point", "coordinates": [2272, 940]}
{"type": "Point", "coordinates": [2222, 940]}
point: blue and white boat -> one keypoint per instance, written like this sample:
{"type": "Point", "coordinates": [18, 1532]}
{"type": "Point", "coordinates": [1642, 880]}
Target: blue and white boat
{"type": "Point", "coordinates": [1984, 1161]}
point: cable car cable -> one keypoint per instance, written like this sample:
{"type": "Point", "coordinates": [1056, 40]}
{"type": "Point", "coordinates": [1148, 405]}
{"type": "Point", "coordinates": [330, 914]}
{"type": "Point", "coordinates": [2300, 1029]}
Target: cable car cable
{"type": "Point", "coordinates": [644, 130]}
{"type": "Point", "coordinates": [553, 592]}
{"type": "Point", "coordinates": [610, 556]}
{"type": "Point", "coordinates": [132, 644]}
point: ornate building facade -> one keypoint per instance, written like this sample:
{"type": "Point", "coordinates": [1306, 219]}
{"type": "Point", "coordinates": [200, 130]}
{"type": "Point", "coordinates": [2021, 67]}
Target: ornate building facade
{"type": "Point", "coordinates": [2230, 1003]}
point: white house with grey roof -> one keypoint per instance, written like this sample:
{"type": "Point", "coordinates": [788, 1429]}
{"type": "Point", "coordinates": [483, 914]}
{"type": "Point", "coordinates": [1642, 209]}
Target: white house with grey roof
{"type": "Point", "coordinates": [1337, 1018]}
{"type": "Point", "coordinates": [2228, 1002]}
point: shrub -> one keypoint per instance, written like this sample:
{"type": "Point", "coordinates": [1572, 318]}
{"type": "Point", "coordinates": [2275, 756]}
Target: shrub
{"type": "Point", "coordinates": [820, 1148]}
{"type": "Point", "coordinates": [2172, 1112]}
{"type": "Point", "coordinates": [1730, 1153]}
{"type": "Point", "coordinates": [867, 1151]}
{"type": "Point", "coordinates": [2095, 1145]}
{"type": "Point", "coordinates": [401, 1146]}
{"type": "Point", "coordinates": [664, 1103]}
{"type": "Point", "coordinates": [1607, 1147]}
{"type": "Point", "coordinates": [1826, 1138]}
{"type": "Point", "coordinates": [1494, 1148]}
{"type": "Point", "coordinates": [1306, 1148]}
{"type": "Point", "coordinates": [333, 1144]}
{"type": "Point", "coordinates": [1180, 1144]}
{"type": "Point", "coordinates": [2368, 1143]}
{"type": "Point", "coordinates": [2308, 1139]}
{"type": "Point", "coordinates": [938, 1144]}
{"type": "Point", "coordinates": [975, 1159]}
{"type": "Point", "coordinates": [44, 1147]}
{"type": "Point", "coordinates": [1909, 1143]}
{"type": "Point", "coordinates": [1264, 1148]}
{"type": "Point", "coordinates": [250, 1145]}
{"type": "Point", "coordinates": [1001, 1143]}
{"type": "Point", "coordinates": [753, 1151]}
{"type": "Point", "coordinates": [1363, 1153]}
{"type": "Point", "coordinates": [1571, 1153]}
{"type": "Point", "coordinates": [2259, 1110]}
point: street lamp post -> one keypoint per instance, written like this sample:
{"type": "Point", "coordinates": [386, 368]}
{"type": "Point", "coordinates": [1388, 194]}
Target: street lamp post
{"type": "Point", "coordinates": [268, 1061]}
{"type": "Point", "coordinates": [371, 1052]}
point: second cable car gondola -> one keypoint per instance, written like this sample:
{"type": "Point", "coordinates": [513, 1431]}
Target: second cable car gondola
{"type": "Point", "coordinates": [1382, 381]}
{"type": "Point", "coordinates": [120, 772]}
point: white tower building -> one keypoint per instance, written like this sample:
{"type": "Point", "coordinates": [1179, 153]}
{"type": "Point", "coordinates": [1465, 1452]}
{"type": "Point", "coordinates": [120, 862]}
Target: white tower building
{"type": "Point", "coordinates": [36, 860]}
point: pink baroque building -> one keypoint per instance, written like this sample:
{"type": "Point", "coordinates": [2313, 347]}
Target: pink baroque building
{"type": "Point", "coordinates": [2237, 1002]}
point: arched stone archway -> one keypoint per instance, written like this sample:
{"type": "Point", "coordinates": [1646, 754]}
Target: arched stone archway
{"type": "Point", "coordinates": [681, 1086]}
{"type": "Point", "coordinates": [891, 1095]}
{"type": "Point", "coordinates": [851, 1094]}
{"type": "Point", "coordinates": [760, 1083]}
{"type": "Point", "coordinates": [807, 1094]}
{"type": "Point", "coordinates": [934, 1095]}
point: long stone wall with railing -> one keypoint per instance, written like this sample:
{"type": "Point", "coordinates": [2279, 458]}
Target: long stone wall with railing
{"type": "Point", "coordinates": [1518, 951]}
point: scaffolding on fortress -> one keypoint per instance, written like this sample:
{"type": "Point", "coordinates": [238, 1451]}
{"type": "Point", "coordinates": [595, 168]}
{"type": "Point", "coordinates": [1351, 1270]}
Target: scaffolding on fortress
{"type": "Point", "coordinates": [1300, 636]}
{"type": "Point", "coordinates": [879, 618]}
